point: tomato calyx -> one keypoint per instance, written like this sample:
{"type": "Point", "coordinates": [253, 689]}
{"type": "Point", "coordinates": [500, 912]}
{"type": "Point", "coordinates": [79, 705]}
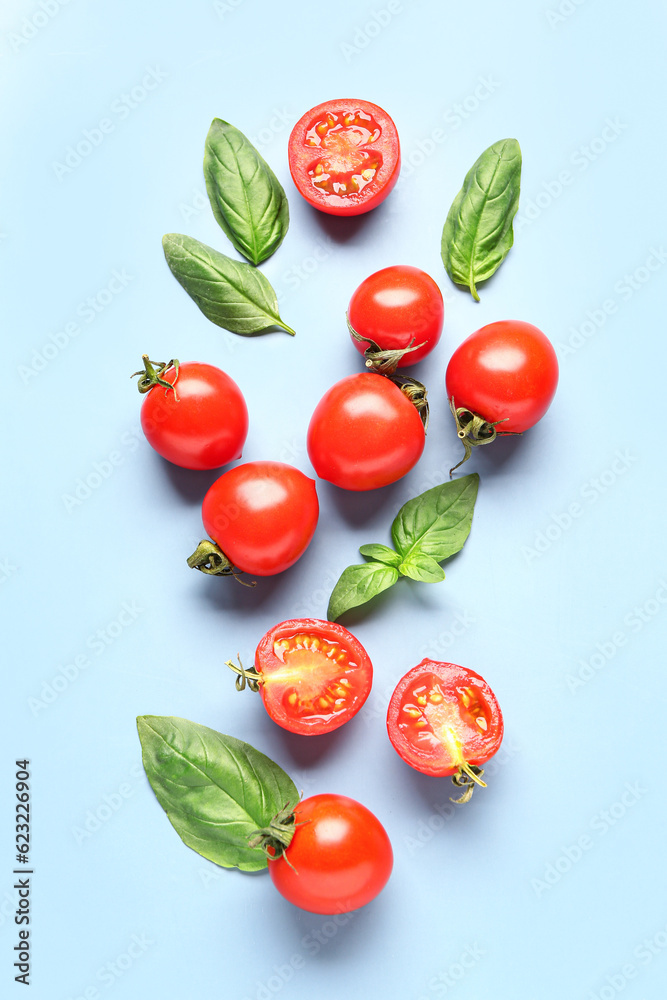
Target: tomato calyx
{"type": "Point", "coordinates": [467, 776]}
{"type": "Point", "coordinates": [210, 559]}
{"type": "Point", "coordinates": [151, 375]}
{"type": "Point", "coordinates": [275, 838]}
{"type": "Point", "coordinates": [249, 678]}
{"type": "Point", "coordinates": [383, 362]}
{"type": "Point", "coordinates": [472, 430]}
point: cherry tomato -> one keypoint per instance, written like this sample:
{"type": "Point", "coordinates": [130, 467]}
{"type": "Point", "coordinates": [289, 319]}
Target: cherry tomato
{"type": "Point", "coordinates": [444, 719]}
{"type": "Point", "coordinates": [313, 675]}
{"type": "Point", "coordinates": [397, 305]}
{"type": "Point", "coordinates": [201, 423]}
{"type": "Point", "coordinates": [364, 433]}
{"type": "Point", "coordinates": [340, 856]}
{"type": "Point", "coordinates": [262, 515]}
{"type": "Point", "coordinates": [344, 156]}
{"type": "Point", "coordinates": [506, 371]}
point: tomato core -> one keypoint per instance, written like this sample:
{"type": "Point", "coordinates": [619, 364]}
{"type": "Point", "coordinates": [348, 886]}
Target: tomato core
{"type": "Point", "coordinates": [441, 721]}
{"type": "Point", "coordinates": [345, 164]}
{"type": "Point", "coordinates": [314, 674]}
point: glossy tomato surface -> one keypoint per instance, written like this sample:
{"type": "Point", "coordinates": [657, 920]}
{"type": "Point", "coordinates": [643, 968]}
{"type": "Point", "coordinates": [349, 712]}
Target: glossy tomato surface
{"type": "Point", "coordinates": [397, 305]}
{"type": "Point", "coordinates": [441, 716]}
{"type": "Point", "coordinates": [504, 371]}
{"type": "Point", "coordinates": [364, 433]}
{"type": "Point", "coordinates": [340, 854]}
{"type": "Point", "coordinates": [344, 156]}
{"type": "Point", "coordinates": [262, 515]}
{"type": "Point", "coordinates": [315, 675]}
{"type": "Point", "coordinates": [203, 424]}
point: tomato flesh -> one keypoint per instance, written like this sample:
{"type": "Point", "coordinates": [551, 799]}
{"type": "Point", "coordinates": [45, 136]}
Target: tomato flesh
{"type": "Point", "coordinates": [315, 675]}
{"type": "Point", "coordinates": [442, 716]}
{"type": "Point", "coordinates": [344, 156]}
{"type": "Point", "coordinates": [262, 515]}
{"type": "Point", "coordinates": [505, 371]}
{"type": "Point", "coordinates": [340, 856]}
{"type": "Point", "coordinates": [364, 433]}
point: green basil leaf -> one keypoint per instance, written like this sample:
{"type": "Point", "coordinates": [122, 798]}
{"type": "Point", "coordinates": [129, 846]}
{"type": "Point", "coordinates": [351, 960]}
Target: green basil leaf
{"type": "Point", "coordinates": [216, 790]}
{"type": "Point", "coordinates": [437, 522]}
{"type": "Point", "coordinates": [359, 584]}
{"type": "Point", "coordinates": [247, 198]}
{"type": "Point", "coordinates": [234, 295]}
{"type": "Point", "coordinates": [478, 234]}
{"type": "Point", "coordinates": [380, 553]}
{"type": "Point", "coordinates": [419, 566]}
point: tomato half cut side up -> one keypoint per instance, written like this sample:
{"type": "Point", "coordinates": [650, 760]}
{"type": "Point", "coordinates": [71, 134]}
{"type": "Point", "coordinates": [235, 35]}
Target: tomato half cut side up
{"type": "Point", "coordinates": [444, 720]}
{"type": "Point", "coordinates": [313, 675]}
{"type": "Point", "coordinates": [344, 156]}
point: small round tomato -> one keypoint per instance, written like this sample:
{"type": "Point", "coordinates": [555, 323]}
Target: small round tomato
{"type": "Point", "coordinates": [396, 306]}
{"type": "Point", "coordinates": [313, 675]}
{"type": "Point", "coordinates": [364, 433]}
{"type": "Point", "coordinates": [194, 415]}
{"type": "Point", "coordinates": [339, 858]}
{"type": "Point", "coordinates": [444, 719]}
{"type": "Point", "coordinates": [262, 515]}
{"type": "Point", "coordinates": [344, 156]}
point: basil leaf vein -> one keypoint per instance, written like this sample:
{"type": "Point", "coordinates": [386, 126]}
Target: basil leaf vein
{"type": "Point", "coordinates": [437, 522]}
{"type": "Point", "coordinates": [248, 200]}
{"type": "Point", "coordinates": [358, 584]}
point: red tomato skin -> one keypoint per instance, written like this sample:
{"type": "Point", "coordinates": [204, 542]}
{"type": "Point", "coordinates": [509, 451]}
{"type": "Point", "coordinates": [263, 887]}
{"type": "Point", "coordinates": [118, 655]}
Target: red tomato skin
{"type": "Point", "coordinates": [204, 425]}
{"type": "Point", "coordinates": [341, 856]}
{"type": "Point", "coordinates": [396, 305]}
{"type": "Point", "coordinates": [364, 433]}
{"type": "Point", "coordinates": [266, 662]}
{"type": "Point", "coordinates": [301, 157]}
{"type": "Point", "coordinates": [507, 369]}
{"type": "Point", "coordinates": [479, 750]}
{"type": "Point", "coordinates": [262, 515]}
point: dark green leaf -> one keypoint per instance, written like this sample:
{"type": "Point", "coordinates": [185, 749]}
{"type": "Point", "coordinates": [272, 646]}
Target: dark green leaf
{"type": "Point", "coordinates": [246, 196]}
{"type": "Point", "coordinates": [359, 584]}
{"type": "Point", "coordinates": [230, 293]}
{"type": "Point", "coordinates": [478, 234]}
{"type": "Point", "coordinates": [437, 522]}
{"type": "Point", "coordinates": [380, 553]}
{"type": "Point", "coordinates": [419, 566]}
{"type": "Point", "coordinates": [216, 790]}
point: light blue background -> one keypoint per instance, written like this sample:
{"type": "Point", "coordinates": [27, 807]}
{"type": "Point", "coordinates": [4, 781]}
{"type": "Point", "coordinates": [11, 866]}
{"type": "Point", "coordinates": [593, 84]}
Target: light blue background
{"type": "Point", "coordinates": [468, 912]}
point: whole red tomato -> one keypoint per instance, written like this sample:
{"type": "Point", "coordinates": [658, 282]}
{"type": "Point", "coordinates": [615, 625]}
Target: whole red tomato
{"type": "Point", "coordinates": [364, 433]}
{"type": "Point", "coordinates": [313, 675]}
{"type": "Point", "coordinates": [262, 515]}
{"type": "Point", "coordinates": [395, 306]}
{"type": "Point", "coordinates": [344, 156]}
{"type": "Point", "coordinates": [194, 415]}
{"type": "Point", "coordinates": [339, 859]}
{"type": "Point", "coordinates": [444, 719]}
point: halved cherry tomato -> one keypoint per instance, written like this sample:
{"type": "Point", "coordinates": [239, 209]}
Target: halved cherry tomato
{"type": "Point", "coordinates": [364, 433]}
{"type": "Point", "coordinates": [444, 719]}
{"type": "Point", "coordinates": [344, 156]}
{"type": "Point", "coordinates": [193, 414]}
{"type": "Point", "coordinates": [396, 306]}
{"type": "Point", "coordinates": [313, 675]}
{"type": "Point", "coordinates": [339, 858]}
{"type": "Point", "coordinates": [262, 515]}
